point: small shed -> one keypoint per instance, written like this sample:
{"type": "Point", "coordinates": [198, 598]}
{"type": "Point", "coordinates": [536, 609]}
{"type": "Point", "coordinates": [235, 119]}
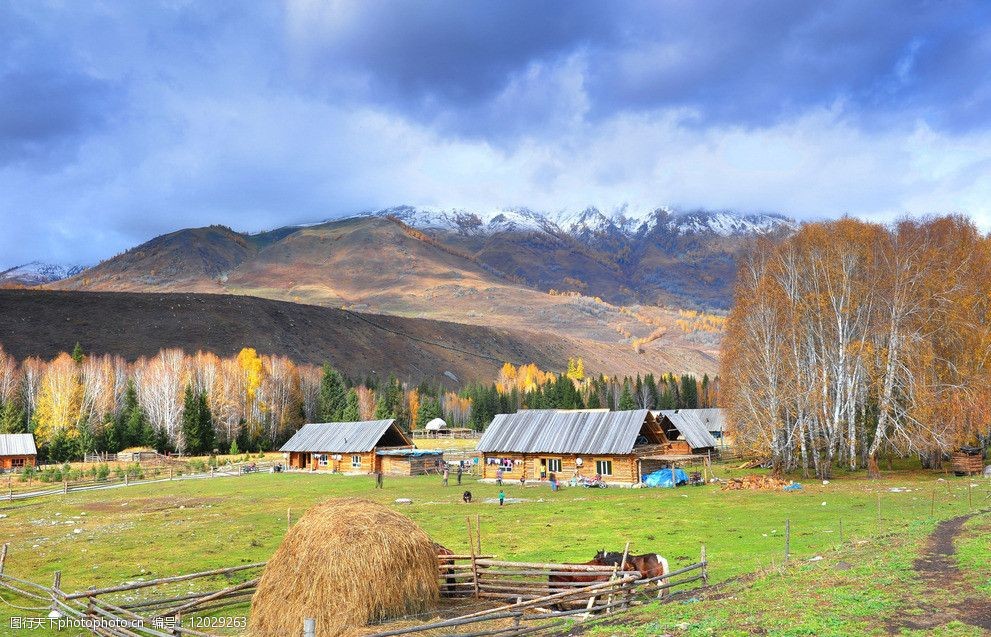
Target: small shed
{"type": "Point", "coordinates": [687, 430]}
{"type": "Point", "coordinates": [344, 447]}
{"type": "Point", "coordinates": [17, 452]}
{"type": "Point", "coordinates": [409, 462]}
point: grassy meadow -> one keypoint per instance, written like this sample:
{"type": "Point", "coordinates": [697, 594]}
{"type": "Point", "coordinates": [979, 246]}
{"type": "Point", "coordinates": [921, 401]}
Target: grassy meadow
{"type": "Point", "coordinates": [102, 538]}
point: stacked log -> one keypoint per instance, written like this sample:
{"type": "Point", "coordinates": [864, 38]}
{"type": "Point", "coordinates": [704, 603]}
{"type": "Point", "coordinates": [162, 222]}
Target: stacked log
{"type": "Point", "coordinates": [755, 483]}
{"type": "Point", "coordinates": [965, 464]}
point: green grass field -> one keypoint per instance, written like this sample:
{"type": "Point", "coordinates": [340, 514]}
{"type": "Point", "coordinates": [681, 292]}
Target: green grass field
{"type": "Point", "coordinates": [103, 538]}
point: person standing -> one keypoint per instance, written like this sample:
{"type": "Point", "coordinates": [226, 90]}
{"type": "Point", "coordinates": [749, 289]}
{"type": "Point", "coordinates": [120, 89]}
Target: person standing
{"type": "Point", "coordinates": [502, 497]}
{"type": "Point", "coordinates": [460, 471]}
{"type": "Point", "coordinates": [553, 480]}
{"type": "Point", "coordinates": [499, 476]}
{"type": "Point", "coordinates": [447, 474]}
{"type": "Point", "coordinates": [379, 480]}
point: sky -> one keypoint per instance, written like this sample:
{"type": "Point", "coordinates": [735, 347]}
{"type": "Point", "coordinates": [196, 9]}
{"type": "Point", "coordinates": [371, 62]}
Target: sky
{"type": "Point", "coordinates": [120, 121]}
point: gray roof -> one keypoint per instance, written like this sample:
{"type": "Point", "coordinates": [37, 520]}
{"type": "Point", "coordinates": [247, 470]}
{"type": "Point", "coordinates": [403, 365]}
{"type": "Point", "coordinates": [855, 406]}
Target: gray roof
{"type": "Point", "coordinates": [338, 437]}
{"type": "Point", "coordinates": [17, 445]}
{"type": "Point", "coordinates": [693, 424]}
{"type": "Point", "coordinates": [552, 431]}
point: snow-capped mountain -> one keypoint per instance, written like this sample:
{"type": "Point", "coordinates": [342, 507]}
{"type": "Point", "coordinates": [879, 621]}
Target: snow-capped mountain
{"type": "Point", "coordinates": [581, 224]}
{"type": "Point", "coordinates": [38, 273]}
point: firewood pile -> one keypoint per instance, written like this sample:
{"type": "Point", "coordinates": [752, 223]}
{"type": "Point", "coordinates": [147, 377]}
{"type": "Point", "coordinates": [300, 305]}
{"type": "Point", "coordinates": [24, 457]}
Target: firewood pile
{"type": "Point", "coordinates": [755, 483]}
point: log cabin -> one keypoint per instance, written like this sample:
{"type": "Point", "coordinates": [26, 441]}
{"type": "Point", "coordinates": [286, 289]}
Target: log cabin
{"type": "Point", "coordinates": [17, 452]}
{"type": "Point", "coordinates": [569, 443]}
{"type": "Point", "coordinates": [346, 447]}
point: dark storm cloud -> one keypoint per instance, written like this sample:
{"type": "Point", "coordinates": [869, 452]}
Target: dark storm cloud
{"type": "Point", "coordinates": [120, 121]}
{"type": "Point", "coordinates": [750, 63]}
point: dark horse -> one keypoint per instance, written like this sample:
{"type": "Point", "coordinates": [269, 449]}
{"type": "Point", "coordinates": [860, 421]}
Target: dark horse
{"type": "Point", "coordinates": [445, 565]}
{"type": "Point", "coordinates": [649, 564]}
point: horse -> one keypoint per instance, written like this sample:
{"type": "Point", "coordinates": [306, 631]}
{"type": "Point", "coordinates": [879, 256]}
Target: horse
{"type": "Point", "coordinates": [584, 578]}
{"type": "Point", "coordinates": [650, 565]}
{"type": "Point", "coordinates": [445, 564]}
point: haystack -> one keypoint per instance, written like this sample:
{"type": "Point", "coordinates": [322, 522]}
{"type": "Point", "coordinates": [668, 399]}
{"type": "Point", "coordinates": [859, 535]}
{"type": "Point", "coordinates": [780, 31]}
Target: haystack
{"type": "Point", "coordinates": [347, 563]}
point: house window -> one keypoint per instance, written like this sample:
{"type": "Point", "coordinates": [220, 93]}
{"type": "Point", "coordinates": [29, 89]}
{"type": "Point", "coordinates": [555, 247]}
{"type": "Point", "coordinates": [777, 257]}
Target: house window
{"type": "Point", "coordinates": [322, 459]}
{"type": "Point", "coordinates": [554, 465]}
{"type": "Point", "coordinates": [355, 462]}
{"type": "Point", "coordinates": [603, 467]}
{"type": "Point", "coordinates": [17, 463]}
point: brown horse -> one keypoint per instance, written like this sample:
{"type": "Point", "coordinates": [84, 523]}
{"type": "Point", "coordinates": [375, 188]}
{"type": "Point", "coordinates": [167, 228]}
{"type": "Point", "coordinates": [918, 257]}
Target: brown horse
{"type": "Point", "coordinates": [650, 565]}
{"type": "Point", "coordinates": [585, 578]}
{"type": "Point", "coordinates": [445, 565]}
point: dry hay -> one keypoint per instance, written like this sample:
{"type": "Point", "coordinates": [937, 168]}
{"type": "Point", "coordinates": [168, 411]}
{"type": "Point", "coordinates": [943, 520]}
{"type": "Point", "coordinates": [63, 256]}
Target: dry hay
{"type": "Point", "coordinates": [347, 563]}
{"type": "Point", "coordinates": [755, 483]}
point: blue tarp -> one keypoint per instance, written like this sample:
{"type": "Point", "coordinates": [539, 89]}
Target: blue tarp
{"type": "Point", "coordinates": [665, 478]}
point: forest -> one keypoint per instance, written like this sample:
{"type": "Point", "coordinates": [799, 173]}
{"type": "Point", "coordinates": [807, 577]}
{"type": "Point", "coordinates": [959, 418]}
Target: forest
{"type": "Point", "coordinates": [849, 340]}
{"type": "Point", "coordinates": [78, 403]}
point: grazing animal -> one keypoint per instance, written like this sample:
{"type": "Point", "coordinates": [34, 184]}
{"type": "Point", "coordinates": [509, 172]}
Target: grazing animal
{"type": "Point", "coordinates": [649, 564]}
{"type": "Point", "coordinates": [584, 578]}
{"type": "Point", "coordinates": [445, 564]}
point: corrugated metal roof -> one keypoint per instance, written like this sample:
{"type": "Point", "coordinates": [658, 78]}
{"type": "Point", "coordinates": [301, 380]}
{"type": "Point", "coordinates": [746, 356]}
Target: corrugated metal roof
{"type": "Point", "coordinates": [17, 445]}
{"type": "Point", "coordinates": [338, 437]}
{"type": "Point", "coordinates": [552, 431]}
{"type": "Point", "coordinates": [693, 424]}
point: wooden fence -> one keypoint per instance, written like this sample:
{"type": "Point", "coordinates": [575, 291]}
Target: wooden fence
{"type": "Point", "coordinates": [12, 489]}
{"type": "Point", "coordinates": [530, 602]}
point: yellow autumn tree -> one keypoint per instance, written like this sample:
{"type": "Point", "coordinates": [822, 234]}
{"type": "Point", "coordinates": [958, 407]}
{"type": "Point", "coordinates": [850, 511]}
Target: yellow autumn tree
{"type": "Point", "coordinates": [413, 400]}
{"type": "Point", "coordinates": [59, 400]}
{"type": "Point", "coordinates": [253, 371]}
{"type": "Point", "coordinates": [576, 369]}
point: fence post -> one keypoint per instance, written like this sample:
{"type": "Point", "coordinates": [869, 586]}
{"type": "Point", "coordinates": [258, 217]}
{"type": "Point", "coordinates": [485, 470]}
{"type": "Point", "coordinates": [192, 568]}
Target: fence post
{"type": "Point", "coordinates": [3, 556]}
{"type": "Point", "coordinates": [705, 568]}
{"type": "Point", "coordinates": [841, 530]}
{"type": "Point", "coordinates": [309, 627]}
{"type": "Point", "coordinates": [970, 495]}
{"type": "Point", "coordinates": [127, 479]}
{"type": "Point", "coordinates": [65, 487]}
{"type": "Point", "coordinates": [787, 539]}
{"type": "Point", "coordinates": [932, 504]}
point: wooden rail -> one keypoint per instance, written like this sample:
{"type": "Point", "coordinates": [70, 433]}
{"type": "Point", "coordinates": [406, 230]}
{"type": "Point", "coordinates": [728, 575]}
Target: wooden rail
{"type": "Point", "coordinates": [535, 605]}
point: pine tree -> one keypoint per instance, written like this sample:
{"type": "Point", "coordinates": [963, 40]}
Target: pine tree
{"type": "Point", "coordinates": [351, 411]}
{"type": "Point", "coordinates": [207, 436]}
{"type": "Point", "coordinates": [333, 394]}
{"type": "Point", "coordinates": [689, 393]}
{"type": "Point", "coordinates": [191, 422]}
{"type": "Point", "coordinates": [234, 450]}
{"type": "Point", "coordinates": [130, 424]}
{"type": "Point", "coordinates": [429, 409]}
{"type": "Point", "coordinates": [626, 401]}
{"type": "Point", "coordinates": [11, 418]}
{"type": "Point", "coordinates": [77, 353]}
{"type": "Point", "coordinates": [593, 401]}
{"type": "Point", "coordinates": [381, 409]}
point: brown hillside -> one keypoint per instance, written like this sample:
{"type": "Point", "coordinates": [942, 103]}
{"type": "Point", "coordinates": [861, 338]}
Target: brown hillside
{"type": "Point", "coordinates": [43, 323]}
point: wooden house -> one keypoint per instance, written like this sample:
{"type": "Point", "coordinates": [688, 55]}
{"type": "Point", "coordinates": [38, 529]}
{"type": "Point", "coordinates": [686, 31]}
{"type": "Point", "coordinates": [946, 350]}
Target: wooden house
{"type": "Point", "coordinates": [344, 447]}
{"type": "Point", "coordinates": [585, 443]}
{"type": "Point", "coordinates": [17, 452]}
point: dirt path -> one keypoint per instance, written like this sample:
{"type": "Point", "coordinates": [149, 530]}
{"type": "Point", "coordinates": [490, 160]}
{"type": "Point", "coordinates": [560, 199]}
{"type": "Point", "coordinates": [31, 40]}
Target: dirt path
{"type": "Point", "coordinates": [937, 567]}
